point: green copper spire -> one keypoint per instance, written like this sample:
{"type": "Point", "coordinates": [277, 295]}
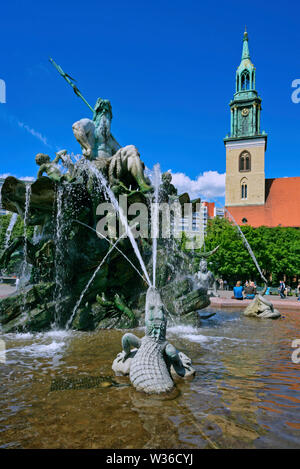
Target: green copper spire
{"type": "Point", "coordinates": [246, 70]}
{"type": "Point", "coordinates": [246, 53]}
{"type": "Point", "coordinates": [246, 104]}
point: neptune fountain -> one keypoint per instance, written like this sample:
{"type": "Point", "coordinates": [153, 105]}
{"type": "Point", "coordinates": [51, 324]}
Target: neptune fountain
{"type": "Point", "coordinates": [75, 276]}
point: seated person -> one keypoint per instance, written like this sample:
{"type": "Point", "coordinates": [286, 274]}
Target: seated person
{"type": "Point", "coordinates": [238, 291]}
{"type": "Point", "coordinates": [250, 291]}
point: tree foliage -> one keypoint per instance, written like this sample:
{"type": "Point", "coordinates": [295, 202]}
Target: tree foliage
{"type": "Point", "coordinates": [277, 251]}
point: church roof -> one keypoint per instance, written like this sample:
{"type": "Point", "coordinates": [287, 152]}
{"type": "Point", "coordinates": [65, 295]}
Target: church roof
{"type": "Point", "coordinates": [281, 208]}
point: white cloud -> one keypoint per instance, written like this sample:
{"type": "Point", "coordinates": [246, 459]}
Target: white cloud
{"type": "Point", "coordinates": [15, 121]}
{"type": "Point", "coordinates": [22, 178]}
{"type": "Point", "coordinates": [33, 132]}
{"type": "Point", "coordinates": [208, 185]}
{"type": "Point", "coordinates": [27, 178]}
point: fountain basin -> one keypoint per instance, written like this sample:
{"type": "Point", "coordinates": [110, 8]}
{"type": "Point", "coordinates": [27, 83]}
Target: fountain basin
{"type": "Point", "coordinates": [233, 401]}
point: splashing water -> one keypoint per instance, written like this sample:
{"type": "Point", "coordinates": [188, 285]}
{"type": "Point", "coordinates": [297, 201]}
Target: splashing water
{"type": "Point", "coordinates": [58, 262]}
{"type": "Point", "coordinates": [124, 255]}
{"type": "Point", "coordinates": [10, 227]}
{"type": "Point", "coordinates": [36, 235]}
{"type": "Point", "coordinates": [155, 219]}
{"type": "Point", "coordinates": [25, 266]}
{"type": "Point", "coordinates": [26, 213]}
{"type": "Point", "coordinates": [110, 195]}
{"type": "Point", "coordinates": [110, 242]}
{"type": "Point", "coordinates": [90, 281]}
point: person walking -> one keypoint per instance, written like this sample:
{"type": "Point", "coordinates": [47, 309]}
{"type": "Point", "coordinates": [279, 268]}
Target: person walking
{"type": "Point", "coordinates": [281, 289]}
{"type": "Point", "coordinates": [298, 292]}
{"type": "Point", "coordinates": [238, 291]}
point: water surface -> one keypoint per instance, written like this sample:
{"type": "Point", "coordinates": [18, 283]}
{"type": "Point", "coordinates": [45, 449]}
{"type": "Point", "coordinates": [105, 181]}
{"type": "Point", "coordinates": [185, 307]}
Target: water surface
{"type": "Point", "coordinates": [58, 390]}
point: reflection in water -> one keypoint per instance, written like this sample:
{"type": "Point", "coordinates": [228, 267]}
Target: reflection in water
{"type": "Point", "coordinates": [245, 393]}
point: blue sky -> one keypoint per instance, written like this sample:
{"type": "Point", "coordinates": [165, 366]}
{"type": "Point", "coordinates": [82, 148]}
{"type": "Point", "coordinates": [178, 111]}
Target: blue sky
{"type": "Point", "coordinates": [168, 68]}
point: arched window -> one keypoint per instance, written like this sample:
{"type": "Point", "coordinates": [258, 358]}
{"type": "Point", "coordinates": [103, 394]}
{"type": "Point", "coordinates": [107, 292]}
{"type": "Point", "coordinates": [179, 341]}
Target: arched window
{"type": "Point", "coordinates": [244, 189]}
{"type": "Point", "coordinates": [245, 80]}
{"type": "Point", "coordinates": [245, 161]}
{"type": "Point", "coordinates": [241, 162]}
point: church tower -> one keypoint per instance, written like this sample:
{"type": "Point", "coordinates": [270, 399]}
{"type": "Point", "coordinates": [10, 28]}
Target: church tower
{"type": "Point", "coordinates": [246, 144]}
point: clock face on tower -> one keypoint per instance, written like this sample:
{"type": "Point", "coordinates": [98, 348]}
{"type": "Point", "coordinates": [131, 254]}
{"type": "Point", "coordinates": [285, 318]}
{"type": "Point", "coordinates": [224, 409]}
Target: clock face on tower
{"type": "Point", "coordinates": [244, 122]}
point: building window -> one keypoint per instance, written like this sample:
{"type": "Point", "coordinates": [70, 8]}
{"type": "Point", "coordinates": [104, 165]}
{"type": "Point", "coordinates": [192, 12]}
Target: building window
{"type": "Point", "coordinates": [245, 161]}
{"type": "Point", "coordinates": [244, 190]}
{"type": "Point", "coordinates": [244, 220]}
{"type": "Point", "coordinates": [245, 82]}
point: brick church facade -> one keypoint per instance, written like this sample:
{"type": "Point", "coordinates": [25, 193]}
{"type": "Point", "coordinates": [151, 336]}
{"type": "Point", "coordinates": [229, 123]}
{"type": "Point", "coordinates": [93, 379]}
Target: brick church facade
{"type": "Point", "coordinates": [250, 198]}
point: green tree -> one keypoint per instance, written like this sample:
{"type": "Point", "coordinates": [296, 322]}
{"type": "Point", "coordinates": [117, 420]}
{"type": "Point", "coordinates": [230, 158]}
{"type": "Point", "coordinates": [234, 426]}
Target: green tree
{"type": "Point", "coordinates": [277, 251]}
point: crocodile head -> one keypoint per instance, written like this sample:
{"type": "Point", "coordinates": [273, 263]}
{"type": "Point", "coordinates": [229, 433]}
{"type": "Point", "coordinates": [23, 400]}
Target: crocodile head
{"type": "Point", "coordinates": [155, 320]}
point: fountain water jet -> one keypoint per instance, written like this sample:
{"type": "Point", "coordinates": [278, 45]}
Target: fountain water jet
{"type": "Point", "coordinates": [112, 244]}
{"type": "Point", "coordinates": [10, 227]}
{"type": "Point", "coordinates": [246, 244]}
{"type": "Point", "coordinates": [36, 235]}
{"type": "Point", "coordinates": [248, 247]}
{"type": "Point", "coordinates": [26, 213]}
{"type": "Point", "coordinates": [259, 307]}
{"type": "Point", "coordinates": [155, 218]}
{"type": "Point", "coordinates": [90, 281]}
{"type": "Point", "coordinates": [58, 262]}
{"type": "Point", "coordinates": [25, 263]}
{"type": "Point", "coordinates": [110, 195]}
